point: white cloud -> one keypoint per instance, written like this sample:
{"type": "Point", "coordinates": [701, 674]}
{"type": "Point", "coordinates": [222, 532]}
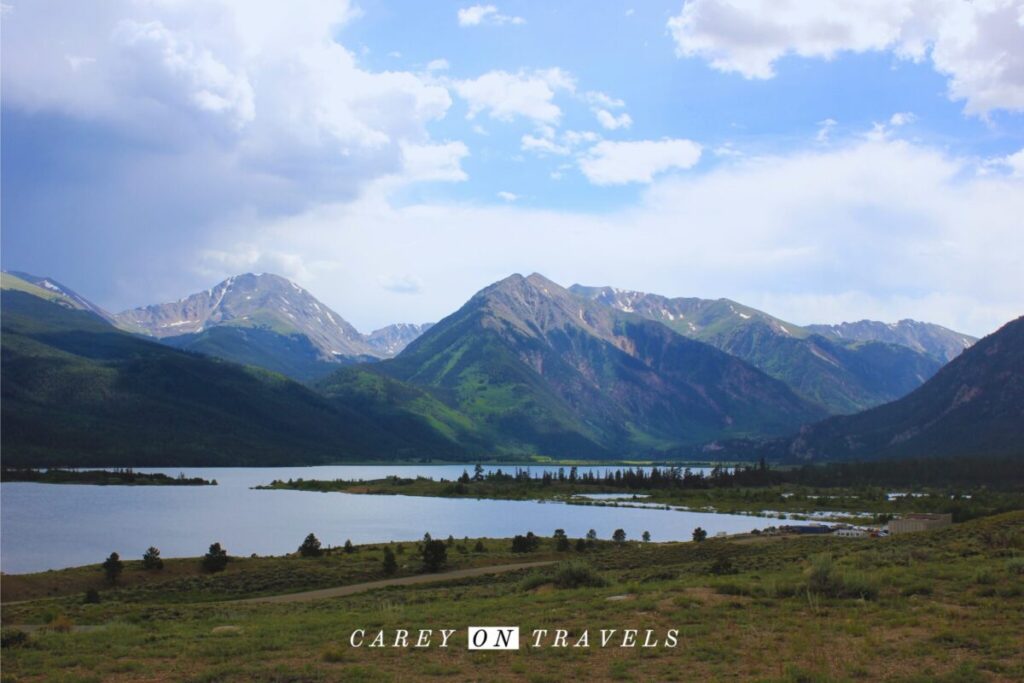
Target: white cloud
{"type": "Point", "coordinates": [902, 118]}
{"type": "Point", "coordinates": [618, 163]}
{"type": "Point", "coordinates": [978, 45]}
{"type": "Point", "coordinates": [1013, 162]}
{"type": "Point", "coordinates": [612, 122]}
{"type": "Point", "coordinates": [542, 145]}
{"type": "Point", "coordinates": [263, 86]}
{"type": "Point", "coordinates": [879, 229]}
{"type": "Point", "coordinates": [438, 65]}
{"type": "Point", "coordinates": [824, 129]}
{"type": "Point", "coordinates": [485, 14]}
{"type": "Point", "coordinates": [400, 284]}
{"type": "Point", "coordinates": [508, 196]}
{"type": "Point", "coordinates": [507, 96]}
{"type": "Point", "coordinates": [600, 99]}
{"type": "Point", "coordinates": [441, 162]}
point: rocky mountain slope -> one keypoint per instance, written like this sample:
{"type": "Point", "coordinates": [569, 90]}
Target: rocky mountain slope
{"type": "Point", "coordinates": [972, 406]}
{"type": "Point", "coordinates": [937, 341]}
{"type": "Point", "coordinates": [843, 376]}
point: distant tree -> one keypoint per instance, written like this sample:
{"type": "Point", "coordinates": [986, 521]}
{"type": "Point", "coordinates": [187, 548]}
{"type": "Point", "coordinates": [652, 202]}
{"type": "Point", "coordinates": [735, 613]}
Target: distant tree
{"type": "Point", "coordinates": [400, 549]}
{"type": "Point", "coordinates": [426, 537]}
{"type": "Point", "coordinates": [478, 472]}
{"type": "Point", "coordinates": [112, 567]}
{"type": "Point", "coordinates": [151, 559]}
{"type": "Point", "coordinates": [581, 545]}
{"type": "Point", "coordinates": [311, 547]}
{"type": "Point", "coordinates": [92, 596]}
{"type": "Point", "coordinates": [435, 555]}
{"type": "Point", "coordinates": [479, 547]}
{"type": "Point", "coordinates": [646, 536]}
{"type": "Point", "coordinates": [349, 548]}
{"type": "Point", "coordinates": [619, 536]}
{"type": "Point", "coordinates": [464, 479]}
{"type": "Point", "coordinates": [561, 541]}
{"type": "Point", "coordinates": [451, 541]}
{"type": "Point", "coordinates": [390, 564]}
{"type": "Point", "coordinates": [216, 559]}
{"type": "Point", "coordinates": [591, 535]}
{"type": "Point", "coordinates": [699, 534]}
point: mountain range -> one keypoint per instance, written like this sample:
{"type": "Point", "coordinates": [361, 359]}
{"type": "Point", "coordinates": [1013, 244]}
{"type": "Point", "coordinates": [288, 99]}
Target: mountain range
{"type": "Point", "coordinates": [844, 375]}
{"type": "Point", "coordinates": [525, 367]}
{"type": "Point", "coordinates": [267, 321]}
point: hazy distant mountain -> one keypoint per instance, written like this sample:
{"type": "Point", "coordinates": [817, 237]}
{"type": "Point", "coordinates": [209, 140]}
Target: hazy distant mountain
{"type": "Point", "coordinates": [937, 341]}
{"type": "Point", "coordinates": [842, 376]}
{"type": "Point", "coordinates": [972, 406]}
{"type": "Point", "coordinates": [56, 291]}
{"type": "Point", "coordinates": [392, 340]}
{"type": "Point", "coordinates": [540, 369]}
{"type": "Point", "coordinates": [267, 321]}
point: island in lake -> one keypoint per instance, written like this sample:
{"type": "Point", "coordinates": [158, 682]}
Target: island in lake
{"type": "Point", "coordinates": [117, 477]}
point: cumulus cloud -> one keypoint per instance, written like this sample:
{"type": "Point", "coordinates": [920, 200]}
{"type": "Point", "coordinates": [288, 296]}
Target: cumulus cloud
{"type": "Point", "coordinates": [477, 15]}
{"type": "Point", "coordinates": [872, 228]}
{"type": "Point", "coordinates": [506, 96]}
{"type": "Point", "coordinates": [978, 45]}
{"type": "Point", "coordinates": [902, 118]}
{"type": "Point", "coordinates": [508, 196]}
{"type": "Point", "coordinates": [610, 121]}
{"type": "Point", "coordinates": [618, 163]}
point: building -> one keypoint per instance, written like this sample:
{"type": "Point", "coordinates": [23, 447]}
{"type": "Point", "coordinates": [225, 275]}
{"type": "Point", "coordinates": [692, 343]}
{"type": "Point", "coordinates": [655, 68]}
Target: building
{"type": "Point", "coordinates": [919, 521]}
{"type": "Point", "coordinates": [850, 532]}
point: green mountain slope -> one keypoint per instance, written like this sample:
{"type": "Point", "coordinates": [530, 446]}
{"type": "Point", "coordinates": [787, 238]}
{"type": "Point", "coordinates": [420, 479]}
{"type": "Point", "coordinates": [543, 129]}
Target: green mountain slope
{"type": "Point", "coordinates": [77, 391]}
{"type": "Point", "coordinates": [843, 376]}
{"type": "Point", "coordinates": [539, 369]}
{"type": "Point", "coordinates": [972, 406]}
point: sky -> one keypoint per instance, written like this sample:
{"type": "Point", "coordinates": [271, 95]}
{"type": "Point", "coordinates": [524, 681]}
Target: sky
{"type": "Point", "coordinates": [821, 160]}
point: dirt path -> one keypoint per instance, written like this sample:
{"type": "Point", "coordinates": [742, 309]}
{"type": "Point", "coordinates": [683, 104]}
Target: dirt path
{"type": "Point", "coordinates": [339, 591]}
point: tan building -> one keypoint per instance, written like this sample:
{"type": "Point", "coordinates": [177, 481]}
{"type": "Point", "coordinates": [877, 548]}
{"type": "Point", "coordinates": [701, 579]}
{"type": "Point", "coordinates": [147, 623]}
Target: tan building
{"type": "Point", "coordinates": [919, 521]}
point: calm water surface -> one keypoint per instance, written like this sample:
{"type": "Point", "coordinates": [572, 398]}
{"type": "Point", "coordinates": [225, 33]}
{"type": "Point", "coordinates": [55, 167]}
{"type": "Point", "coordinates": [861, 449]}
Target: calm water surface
{"type": "Point", "coordinates": [48, 526]}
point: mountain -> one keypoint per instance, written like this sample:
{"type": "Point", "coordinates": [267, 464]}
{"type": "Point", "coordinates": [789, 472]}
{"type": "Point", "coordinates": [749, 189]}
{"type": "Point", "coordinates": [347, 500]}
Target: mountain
{"type": "Point", "coordinates": [842, 376]}
{"type": "Point", "coordinates": [972, 406]}
{"type": "Point", "coordinates": [938, 342]}
{"type": "Point", "coordinates": [391, 340]}
{"type": "Point", "coordinates": [50, 289]}
{"type": "Point", "coordinates": [267, 321]}
{"type": "Point", "coordinates": [539, 369]}
{"type": "Point", "coordinates": [78, 391]}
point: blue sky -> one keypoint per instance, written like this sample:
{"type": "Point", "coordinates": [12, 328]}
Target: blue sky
{"type": "Point", "coordinates": [822, 160]}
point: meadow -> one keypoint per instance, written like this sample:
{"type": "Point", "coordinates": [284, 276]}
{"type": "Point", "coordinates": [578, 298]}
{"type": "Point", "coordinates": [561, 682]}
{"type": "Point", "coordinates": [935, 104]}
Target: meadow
{"type": "Point", "coordinates": [940, 605]}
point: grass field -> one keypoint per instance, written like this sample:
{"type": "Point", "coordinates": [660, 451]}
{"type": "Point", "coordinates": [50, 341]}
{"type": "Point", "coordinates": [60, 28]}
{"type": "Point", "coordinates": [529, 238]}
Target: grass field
{"type": "Point", "coordinates": [942, 605]}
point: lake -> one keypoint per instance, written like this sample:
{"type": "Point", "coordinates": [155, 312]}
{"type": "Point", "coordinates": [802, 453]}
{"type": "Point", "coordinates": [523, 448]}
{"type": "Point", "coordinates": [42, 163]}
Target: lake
{"type": "Point", "coordinates": [50, 526]}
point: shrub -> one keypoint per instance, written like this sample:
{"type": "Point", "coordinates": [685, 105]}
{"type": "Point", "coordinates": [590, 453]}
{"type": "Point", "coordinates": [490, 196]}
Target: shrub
{"type": "Point", "coordinates": [591, 535]}
{"type": "Point", "coordinates": [92, 597]}
{"type": "Point", "coordinates": [699, 534]}
{"type": "Point", "coordinates": [525, 544]}
{"type": "Point", "coordinates": [722, 566]}
{"type": "Point", "coordinates": [576, 574]}
{"type": "Point", "coordinates": [1015, 565]}
{"type": "Point", "coordinates": [479, 547]}
{"type": "Point", "coordinates": [112, 567]}
{"type": "Point", "coordinates": [619, 536]}
{"type": "Point", "coordinates": [311, 547]}
{"type": "Point", "coordinates": [581, 545]}
{"type": "Point", "coordinates": [435, 555]}
{"type": "Point", "coordinates": [646, 537]}
{"type": "Point", "coordinates": [390, 566]}
{"type": "Point", "coordinates": [824, 578]}
{"type": "Point", "coordinates": [216, 559]}
{"type": "Point", "coordinates": [349, 548]}
{"type": "Point", "coordinates": [12, 637]}
{"type": "Point", "coordinates": [561, 541]}
{"type": "Point", "coordinates": [151, 559]}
